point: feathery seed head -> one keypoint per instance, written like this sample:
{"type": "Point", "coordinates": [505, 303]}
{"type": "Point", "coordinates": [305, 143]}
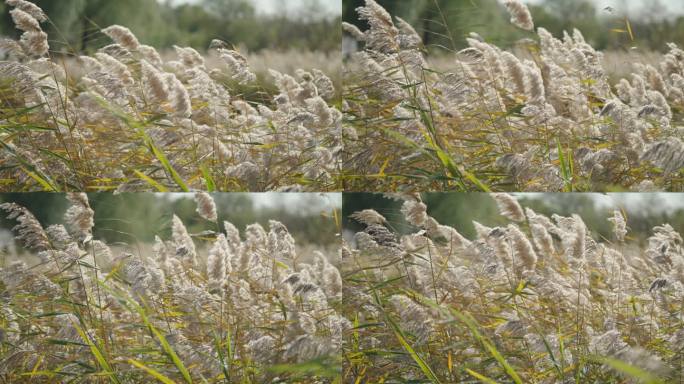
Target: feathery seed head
{"type": "Point", "coordinates": [368, 217]}
{"type": "Point", "coordinates": [509, 207]}
{"type": "Point", "coordinates": [520, 14]}
{"type": "Point", "coordinates": [35, 11]}
{"type": "Point", "coordinates": [619, 225]}
{"type": "Point", "coordinates": [122, 36]}
{"type": "Point", "coordinates": [206, 207]}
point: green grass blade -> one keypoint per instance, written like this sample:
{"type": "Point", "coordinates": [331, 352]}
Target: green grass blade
{"type": "Point", "coordinates": [222, 358]}
{"type": "Point", "coordinates": [211, 184]}
{"type": "Point", "coordinates": [151, 181]}
{"type": "Point", "coordinates": [446, 161]}
{"type": "Point", "coordinates": [140, 127]}
{"type": "Point", "coordinates": [47, 187]}
{"type": "Point", "coordinates": [319, 367]}
{"type": "Point", "coordinates": [480, 377]}
{"type": "Point", "coordinates": [473, 327]}
{"type": "Point", "coordinates": [628, 369]}
{"type": "Point", "coordinates": [442, 158]}
{"type": "Point", "coordinates": [494, 352]}
{"type": "Point", "coordinates": [168, 350]}
{"type": "Point", "coordinates": [566, 171]}
{"type": "Point", "coordinates": [166, 164]}
{"type": "Point", "coordinates": [166, 347]}
{"type": "Point", "coordinates": [97, 353]}
{"type": "Point", "coordinates": [32, 171]}
{"type": "Point", "coordinates": [419, 360]}
{"type": "Point", "coordinates": [473, 179]}
{"type": "Point", "coordinates": [152, 372]}
{"type": "Point", "coordinates": [229, 350]}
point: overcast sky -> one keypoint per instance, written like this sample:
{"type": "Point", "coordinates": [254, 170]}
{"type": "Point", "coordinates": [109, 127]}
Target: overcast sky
{"type": "Point", "coordinates": [314, 201]}
{"type": "Point", "coordinates": [333, 7]}
{"type": "Point", "coordinates": [656, 202]}
{"type": "Point", "coordinates": [310, 202]}
{"type": "Point", "coordinates": [633, 7]}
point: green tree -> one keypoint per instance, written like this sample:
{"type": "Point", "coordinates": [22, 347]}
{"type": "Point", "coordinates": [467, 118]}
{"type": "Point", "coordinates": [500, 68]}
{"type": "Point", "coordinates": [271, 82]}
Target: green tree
{"type": "Point", "coordinates": [444, 24]}
{"type": "Point", "coordinates": [74, 24]}
{"type": "Point", "coordinates": [459, 210]}
{"type": "Point", "coordinates": [234, 22]}
{"type": "Point", "coordinates": [193, 26]}
{"type": "Point", "coordinates": [230, 9]}
{"type": "Point", "coordinates": [147, 19]}
{"type": "Point", "coordinates": [65, 21]}
{"type": "Point", "coordinates": [571, 14]}
{"type": "Point", "coordinates": [47, 207]}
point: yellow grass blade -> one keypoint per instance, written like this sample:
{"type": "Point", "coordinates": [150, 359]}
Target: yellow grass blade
{"type": "Point", "coordinates": [43, 183]}
{"type": "Point", "coordinates": [166, 164]}
{"type": "Point", "coordinates": [629, 29]}
{"type": "Point", "coordinates": [480, 377]}
{"type": "Point", "coordinates": [414, 355]}
{"type": "Point", "coordinates": [211, 184]}
{"type": "Point", "coordinates": [97, 353]}
{"type": "Point", "coordinates": [630, 370]}
{"type": "Point", "coordinates": [473, 326]}
{"type": "Point", "coordinates": [151, 181]}
{"type": "Point", "coordinates": [154, 373]}
{"type": "Point", "coordinates": [166, 347]}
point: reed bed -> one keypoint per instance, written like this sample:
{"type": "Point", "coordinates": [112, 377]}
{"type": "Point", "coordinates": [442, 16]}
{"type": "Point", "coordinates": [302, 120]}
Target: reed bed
{"type": "Point", "coordinates": [537, 300]}
{"type": "Point", "coordinates": [221, 306]}
{"type": "Point", "coordinates": [130, 120]}
{"type": "Point", "coordinates": [544, 116]}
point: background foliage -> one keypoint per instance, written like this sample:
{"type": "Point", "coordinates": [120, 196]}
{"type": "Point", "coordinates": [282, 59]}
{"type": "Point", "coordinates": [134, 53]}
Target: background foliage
{"type": "Point", "coordinates": [75, 24]}
{"type": "Point", "coordinates": [643, 211]}
{"type": "Point", "coordinates": [446, 23]}
{"type": "Point", "coordinates": [138, 217]}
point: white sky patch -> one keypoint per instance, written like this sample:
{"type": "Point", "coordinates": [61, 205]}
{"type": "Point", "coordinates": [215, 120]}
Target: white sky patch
{"type": "Point", "coordinates": [634, 8]}
{"type": "Point", "coordinates": [295, 201]}
{"type": "Point", "coordinates": [292, 202]}
{"type": "Point", "coordinates": [290, 7]}
{"type": "Point", "coordinates": [656, 202]}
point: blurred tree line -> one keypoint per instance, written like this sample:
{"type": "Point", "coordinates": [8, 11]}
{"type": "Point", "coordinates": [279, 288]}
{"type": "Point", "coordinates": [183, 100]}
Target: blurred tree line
{"type": "Point", "coordinates": [444, 24]}
{"type": "Point", "coordinates": [460, 209]}
{"type": "Point", "coordinates": [137, 218]}
{"type": "Point", "coordinates": [74, 24]}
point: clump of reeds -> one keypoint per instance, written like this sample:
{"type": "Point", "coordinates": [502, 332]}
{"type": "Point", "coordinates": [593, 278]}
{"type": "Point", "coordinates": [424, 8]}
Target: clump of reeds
{"type": "Point", "coordinates": [545, 117]}
{"type": "Point", "coordinates": [537, 300]}
{"type": "Point", "coordinates": [236, 307]}
{"type": "Point", "coordinates": [133, 121]}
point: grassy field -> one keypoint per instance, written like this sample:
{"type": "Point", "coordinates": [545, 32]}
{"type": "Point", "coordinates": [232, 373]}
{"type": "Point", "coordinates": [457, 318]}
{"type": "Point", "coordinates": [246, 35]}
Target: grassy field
{"type": "Point", "coordinates": [617, 65]}
{"type": "Point", "coordinates": [551, 114]}
{"type": "Point", "coordinates": [131, 119]}
{"type": "Point", "coordinates": [536, 300]}
{"type": "Point", "coordinates": [220, 306]}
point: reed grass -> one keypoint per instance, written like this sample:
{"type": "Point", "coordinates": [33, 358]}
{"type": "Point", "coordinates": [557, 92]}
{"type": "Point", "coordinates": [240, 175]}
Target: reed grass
{"type": "Point", "coordinates": [222, 306]}
{"type": "Point", "coordinates": [536, 300]}
{"type": "Point", "coordinates": [129, 118]}
{"type": "Point", "coordinates": [549, 115]}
